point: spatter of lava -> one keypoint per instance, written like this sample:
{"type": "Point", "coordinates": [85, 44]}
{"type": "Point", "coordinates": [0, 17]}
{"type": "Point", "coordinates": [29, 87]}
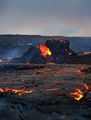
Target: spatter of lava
{"type": "Point", "coordinates": [79, 93]}
{"type": "Point", "coordinates": [1, 60]}
{"type": "Point", "coordinates": [45, 50]}
{"type": "Point", "coordinates": [19, 92]}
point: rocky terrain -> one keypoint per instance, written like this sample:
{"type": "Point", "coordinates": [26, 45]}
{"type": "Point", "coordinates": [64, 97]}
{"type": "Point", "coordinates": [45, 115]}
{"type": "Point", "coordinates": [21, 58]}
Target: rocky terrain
{"type": "Point", "coordinates": [46, 92]}
{"type": "Point", "coordinates": [78, 44]}
{"type": "Point", "coordinates": [35, 49]}
{"type": "Point", "coordinates": [49, 91]}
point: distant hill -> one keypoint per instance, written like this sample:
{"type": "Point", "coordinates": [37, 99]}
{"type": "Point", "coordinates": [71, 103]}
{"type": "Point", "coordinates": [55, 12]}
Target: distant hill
{"type": "Point", "coordinates": [78, 44]}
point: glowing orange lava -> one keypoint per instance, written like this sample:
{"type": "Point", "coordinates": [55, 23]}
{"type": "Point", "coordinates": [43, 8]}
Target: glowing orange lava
{"type": "Point", "coordinates": [27, 63]}
{"type": "Point", "coordinates": [62, 41]}
{"type": "Point", "coordinates": [66, 50]}
{"type": "Point", "coordinates": [86, 87]}
{"type": "Point", "coordinates": [51, 63]}
{"type": "Point", "coordinates": [20, 92]}
{"type": "Point", "coordinates": [1, 61]}
{"type": "Point", "coordinates": [77, 95]}
{"type": "Point", "coordinates": [10, 58]}
{"type": "Point", "coordinates": [81, 68]}
{"type": "Point", "coordinates": [51, 89]}
{"type": "Point", "coordinates": [70, 53]}
{"type": "Point", "coordinates": [45, 50]}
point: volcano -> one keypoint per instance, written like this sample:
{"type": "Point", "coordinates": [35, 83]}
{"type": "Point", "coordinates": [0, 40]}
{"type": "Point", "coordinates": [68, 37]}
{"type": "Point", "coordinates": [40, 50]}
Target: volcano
{"type": "Point", "coordinates": [28, 89]}
{"type": "Point", "coordinates": [54, 51]}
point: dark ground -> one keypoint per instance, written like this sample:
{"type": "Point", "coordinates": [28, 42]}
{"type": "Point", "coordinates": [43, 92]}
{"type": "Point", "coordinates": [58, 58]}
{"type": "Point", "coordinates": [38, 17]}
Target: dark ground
{"type": "Point", "coordinates": [49, 99]}
{"type": "Point", "coordinates": [49, 85]}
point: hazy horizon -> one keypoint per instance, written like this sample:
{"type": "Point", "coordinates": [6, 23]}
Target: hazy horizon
{"type": "Point", "coordinates": [47, 18]}
{"type": "Point", "coordinates": [46, 35]}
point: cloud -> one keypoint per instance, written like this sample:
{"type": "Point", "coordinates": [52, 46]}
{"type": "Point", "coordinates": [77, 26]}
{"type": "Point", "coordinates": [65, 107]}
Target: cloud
{"type": "Point", "coordinates": [46, 17]}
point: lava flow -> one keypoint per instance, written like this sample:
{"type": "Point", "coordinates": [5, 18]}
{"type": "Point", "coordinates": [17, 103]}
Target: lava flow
{"type": "Point", "coordinates": [9, 59]}
{"type": "Point", "coordinates": [50, 63]}
{"type": "Point", "coordinates": [81, 68]}
{"type": "Point", "coordinates": [19, 92]}
{"type": "Point", "coordinates": [79, 93]}
{"type": "Point", "coordinates": [51, 89]}
{"type": "Point", "coordinates": [1, 61]}
{"type": "Point", "coordinates": [45, 50]}
{"type": "Point", "coordinates": [28, 63]}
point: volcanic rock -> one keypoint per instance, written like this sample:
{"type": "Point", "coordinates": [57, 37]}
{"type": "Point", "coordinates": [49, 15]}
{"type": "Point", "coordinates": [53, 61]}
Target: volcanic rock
{"type": "Point", "coordinates": [59, 53]}
{"type": "Point", "coordinates": [33, 55]}
{"type": "Point", "coordinates": [86, 70]}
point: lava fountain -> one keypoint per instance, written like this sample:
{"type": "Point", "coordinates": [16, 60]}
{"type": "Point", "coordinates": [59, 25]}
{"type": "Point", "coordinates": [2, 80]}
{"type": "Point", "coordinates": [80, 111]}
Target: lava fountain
{"type": "Point", "coordinates": [45, 50]}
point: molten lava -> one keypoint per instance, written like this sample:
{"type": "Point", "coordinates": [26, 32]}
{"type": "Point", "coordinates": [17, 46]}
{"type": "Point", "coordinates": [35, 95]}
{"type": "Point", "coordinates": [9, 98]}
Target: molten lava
{"type": "Point", "coordinates": [45, 50]}
{"type": "Point", "coordinates": [70, 53]}
{"type": "Point", "coordinates": [77, 95]}
{"type": "Point", "coordinates": [51, 63]}
{"type": "Point", "coordinates": [27, 63]}
{"type": "Point", "coordinates": [10, 58]}
{"type": "Point", "coordinates": [20, 92]}
{"type": "Point", "coordinates": [62, 41]}
{"type": "Point", "coordinates": [81, 68]}
{"type": "Point", "coordinates": [86, 87]}
{"type": "Point", "coordinates": [1, 61]}
{"type": "Point", "coordinates": [51, 89]}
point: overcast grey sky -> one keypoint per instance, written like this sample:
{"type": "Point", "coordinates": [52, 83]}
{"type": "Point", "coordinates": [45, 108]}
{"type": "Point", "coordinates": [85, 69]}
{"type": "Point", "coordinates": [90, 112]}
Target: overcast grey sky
{"type": "Point", "coordinates": [46, 17]}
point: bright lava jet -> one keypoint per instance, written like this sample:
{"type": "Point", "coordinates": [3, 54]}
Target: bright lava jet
{"type": "Point", "coordinates": [45, 50]}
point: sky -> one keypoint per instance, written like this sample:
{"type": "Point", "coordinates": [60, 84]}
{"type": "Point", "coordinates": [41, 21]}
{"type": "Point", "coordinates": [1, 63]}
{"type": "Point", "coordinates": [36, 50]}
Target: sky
{"type": "Point", "coordinates": [46, 17]}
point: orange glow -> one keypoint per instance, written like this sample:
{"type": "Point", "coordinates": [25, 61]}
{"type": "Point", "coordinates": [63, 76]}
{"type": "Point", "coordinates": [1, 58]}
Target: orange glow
{"type": "Point", "coordinates": [50, 39]}
{"type": "Point", "coordinates": [81, 68]}
{"type": "Point", "coordinates": [10, 58]}
{"type": "Point", "coordinates": [1, 90]}
{"type": "Point", "coordinates": [51, 63]}
{"type": "Point", "coordinates": [85, 86]}
{"type": "Point", "coordinates": [21, 80]}
{"type": "Point", "coordinates": [62, 41]}
{"type": "Point", "coordinates": [45, 50]}
{"type": "Point", "coordinates": [51, 89]}
{"type": "Point", "coordinates": [77, 95]}
{"type": "Point", "coordinates": [1, 61]}
{"type": "Point", "coordinates": [70, 53]}
{"type": "Point", "coordinates": [28, 63]}
{"type": "Point", "coordinates": [20, 92]}
{"type": "Point", "coordinates": [66, 50]}
{"type": "Point", "coordinates": [86, 53]}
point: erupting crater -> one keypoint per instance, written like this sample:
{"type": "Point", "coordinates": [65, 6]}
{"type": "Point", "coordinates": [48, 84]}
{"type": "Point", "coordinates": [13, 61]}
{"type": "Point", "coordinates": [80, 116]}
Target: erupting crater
{"type": "Point", "coordinates": [45, 50]}
{"type": "Point", "coordinates": [53, 51]}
